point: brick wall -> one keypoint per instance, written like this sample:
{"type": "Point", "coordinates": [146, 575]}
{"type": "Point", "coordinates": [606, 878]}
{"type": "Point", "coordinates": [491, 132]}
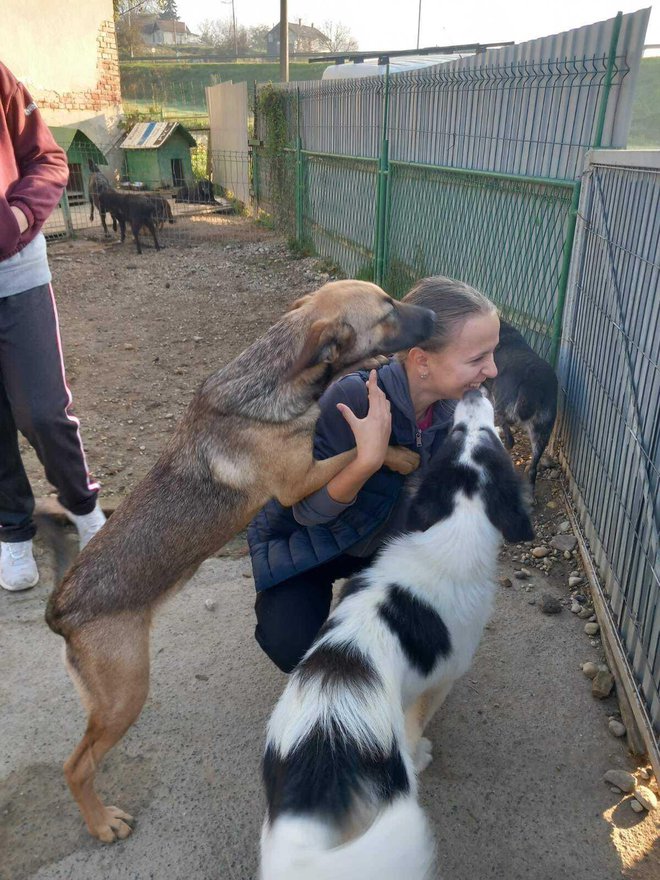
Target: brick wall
{"type": "Point", "coordinates": [107, 92]}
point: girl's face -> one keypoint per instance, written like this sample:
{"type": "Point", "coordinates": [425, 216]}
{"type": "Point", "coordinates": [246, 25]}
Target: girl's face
{"type": "Point", "coordinates": [466, 361]}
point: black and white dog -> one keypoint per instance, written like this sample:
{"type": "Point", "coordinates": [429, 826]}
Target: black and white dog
{"type": "Point", "coordinates": [524, 393]}
{"type": "Point", "coordinates": [345, 740]}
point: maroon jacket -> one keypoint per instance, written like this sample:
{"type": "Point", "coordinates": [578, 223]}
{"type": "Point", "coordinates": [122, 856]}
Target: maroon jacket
{"type": "Point", "coordinates": [33, 169]}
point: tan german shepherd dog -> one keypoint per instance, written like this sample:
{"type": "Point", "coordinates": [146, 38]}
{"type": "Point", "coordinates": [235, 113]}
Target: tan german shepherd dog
{"type": "Point", "coordinates": [246, 437]}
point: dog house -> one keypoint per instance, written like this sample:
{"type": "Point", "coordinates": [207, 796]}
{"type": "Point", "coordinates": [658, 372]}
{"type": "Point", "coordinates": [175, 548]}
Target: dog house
{"type": "Point", "coordinates": [80, 151]}
{"type": "Point", "coordinates": [158, 154]}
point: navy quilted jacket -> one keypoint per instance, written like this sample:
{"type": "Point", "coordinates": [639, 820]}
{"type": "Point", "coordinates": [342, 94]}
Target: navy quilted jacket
{"type": "Point", "coordinates": [280, 547]}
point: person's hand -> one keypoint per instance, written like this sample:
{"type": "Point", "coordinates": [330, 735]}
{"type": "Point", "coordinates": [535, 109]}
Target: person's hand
{"type": "Point", "coordinates": [372, 433]}
{"type": "Point", "coordinates": [21, 219]}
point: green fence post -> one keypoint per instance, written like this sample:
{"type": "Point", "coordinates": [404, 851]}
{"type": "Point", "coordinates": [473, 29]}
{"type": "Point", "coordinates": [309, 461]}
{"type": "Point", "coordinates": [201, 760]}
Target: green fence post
{"type": "Point", "coordinates": [609, 76]}
{"type": "Point", "coordinates": [299, 176]}
{"type": "Point", "coordinates": [567, 253]}
{"type": "Point", "coordinates": [380, 246]}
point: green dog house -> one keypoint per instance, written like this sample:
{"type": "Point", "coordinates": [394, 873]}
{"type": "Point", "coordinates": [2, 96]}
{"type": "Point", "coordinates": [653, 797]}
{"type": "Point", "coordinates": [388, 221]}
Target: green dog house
{"type": "Point", "coordinates": [79, 151]}
{"type": "Point", "coordinates": [157, 154]}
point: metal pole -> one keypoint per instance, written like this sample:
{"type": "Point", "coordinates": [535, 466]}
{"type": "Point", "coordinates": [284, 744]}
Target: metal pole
{"type": "Point", "coordinates": [233, 17]}
{"type": "Point", "coordinates": [284, 42]}
{"type": "Point", "coordinates": [419, 21]}
{"type": "Point", "coordinates": [563, 277]}
{"type": "Point", "coordinates": [609, 76]}
{"type": "Point", "coordinates": [382, 195]}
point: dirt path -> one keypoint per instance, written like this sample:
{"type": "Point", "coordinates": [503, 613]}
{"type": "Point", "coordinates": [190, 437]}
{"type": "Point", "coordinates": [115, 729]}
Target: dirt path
{"type": "Point", "coordinates": [516, 790]}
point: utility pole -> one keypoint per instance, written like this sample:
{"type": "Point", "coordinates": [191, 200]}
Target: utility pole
{"type": "Point", "coordinates": [233, 18]}
{"type": "Point", "coordinates": [284, 42]}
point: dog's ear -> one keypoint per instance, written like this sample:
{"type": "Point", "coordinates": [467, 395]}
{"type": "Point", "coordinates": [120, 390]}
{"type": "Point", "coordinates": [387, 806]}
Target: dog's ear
{"type": "Point", "coordinates": [300, 302]}
{"type": "Point", "coordinates": [325, 342]}
{"type": "Point", "coordinates": [507, 497]}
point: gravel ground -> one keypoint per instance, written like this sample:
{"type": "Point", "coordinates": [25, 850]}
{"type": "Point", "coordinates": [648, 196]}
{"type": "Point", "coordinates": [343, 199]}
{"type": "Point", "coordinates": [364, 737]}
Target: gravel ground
{"type": "Point", "coordinates": [516, 790]}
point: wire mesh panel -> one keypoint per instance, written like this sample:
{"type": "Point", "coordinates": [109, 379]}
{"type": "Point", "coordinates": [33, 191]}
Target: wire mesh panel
{"type": "Point", "coordinates": [610, 378]}
{"type": "Point", "coordinates": [502, 235]}
{"type": "Point", "coordinates": [331, 185]}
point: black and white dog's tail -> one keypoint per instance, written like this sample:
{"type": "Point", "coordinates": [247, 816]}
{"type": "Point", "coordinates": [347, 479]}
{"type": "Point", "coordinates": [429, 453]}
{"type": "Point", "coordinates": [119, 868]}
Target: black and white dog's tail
{"type": "Point", "coordinates": [399, 844]}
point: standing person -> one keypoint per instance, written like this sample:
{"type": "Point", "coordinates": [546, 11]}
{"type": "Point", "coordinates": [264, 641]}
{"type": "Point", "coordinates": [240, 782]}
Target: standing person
{"type": "Point", "coordinates": [34, 396]}
{"type": "Point", "coordinates": [297, 553]}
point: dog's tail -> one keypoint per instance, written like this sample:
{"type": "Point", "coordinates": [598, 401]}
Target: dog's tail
{"type": "Point", "coordinates": [398, 844]}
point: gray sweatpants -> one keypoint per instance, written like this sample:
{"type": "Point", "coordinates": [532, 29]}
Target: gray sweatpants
{"type": "Point", "coordinates": [35, 400]}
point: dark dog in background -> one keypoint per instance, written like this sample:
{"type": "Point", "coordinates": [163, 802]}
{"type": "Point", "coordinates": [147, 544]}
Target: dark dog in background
{"type": "Point", "coordinates": [247, 436]}
{"type": "Point", "coordinates": [97, 184]}
{"type": "Point", "coordinates": [162, 209]}
{"type": "Point", "coordinates": [135, 209]}
{"type": "Point", "coordinates": [201, 192]}
{"type": "Point", "coordinates": [524, 393]}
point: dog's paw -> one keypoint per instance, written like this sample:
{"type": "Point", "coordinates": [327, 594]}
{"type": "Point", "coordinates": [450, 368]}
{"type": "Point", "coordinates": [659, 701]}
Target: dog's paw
{"type": "Point", "coordinates": [403, 461]}
{"type": "Point", "coordinates": [113, 825]}
{"type": "Point", "coordinates": [423, 754]}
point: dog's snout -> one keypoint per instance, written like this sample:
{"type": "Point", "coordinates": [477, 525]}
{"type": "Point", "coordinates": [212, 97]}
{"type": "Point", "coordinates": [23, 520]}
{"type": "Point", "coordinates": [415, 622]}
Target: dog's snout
{"type": "Point", "coordinates": [474, 395]}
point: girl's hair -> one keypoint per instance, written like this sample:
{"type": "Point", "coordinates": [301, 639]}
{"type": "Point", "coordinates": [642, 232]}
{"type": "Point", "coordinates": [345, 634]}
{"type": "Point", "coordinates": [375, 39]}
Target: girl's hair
{"type": "Point", "coordinates": [452, 301]}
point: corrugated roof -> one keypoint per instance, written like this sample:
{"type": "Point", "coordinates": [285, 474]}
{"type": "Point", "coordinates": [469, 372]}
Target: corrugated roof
{"type": "Point", "coordinates": [151, 135]}
{"type": "Point", "coordinates": [65, 136]}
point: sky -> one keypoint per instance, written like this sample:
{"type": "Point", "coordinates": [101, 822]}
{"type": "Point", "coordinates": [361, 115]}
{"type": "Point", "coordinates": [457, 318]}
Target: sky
{"type": "Point", "coordinates": [392, 24]}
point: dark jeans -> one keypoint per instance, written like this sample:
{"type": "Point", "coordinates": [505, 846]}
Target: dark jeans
{"type": "Point", "coordinates": [35, 400]}
{"type": "Point", "coordinates": [290, 614]}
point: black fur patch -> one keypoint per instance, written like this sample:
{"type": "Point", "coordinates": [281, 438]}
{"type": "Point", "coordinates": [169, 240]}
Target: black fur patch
{"type": "Point", "coordinates": [326, 773]}
{"type": "Point", "coordinates": [504, 498]}
{"type": "Point", "coordinates": [354, 585]}
{"type": "Point", "coordinates": [419, 628]}
{"type": "Point", "coordinates": [338, 665]}
{"type": "Point", "coordinates": [435, 499]}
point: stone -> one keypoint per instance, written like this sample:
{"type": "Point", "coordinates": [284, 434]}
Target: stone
{"type": "Point", "coordinates": [601, 686]}
{"type": "Point", "coordinates": [209, 604]}
{"type": "Point", "coordinates": [585, 613]}
{"type": "Point", "coordinates": [636, 806]}
{"type": "Point", "coordinates": [563, 543]}
{"type": "Point", "coordinates": [575, 607]}
{"type": "Point", "coordinates": [616, 728]}
{"type": "Point", "coordinates": [540, 552]}
{"type": "Point", "coordinates": [564, 527]}
{"type": "Point", "coordinates": [644, 773]}
{"type": "Point", "coordinates": [522, 574]}
{"type": "Point", "coordinates": [505, 582]}
{"type": "Point", "coordinates": [246, 574]}
{"type": "Point", "coordinates": [574, 582]}
{"type": "Point", "coordinates": [551, 505]}
{"type": "Point", "coordinates": [549, 604]}
{"type": "Point", "coordinates": [622, 779]}
{"type": "Point", "coordinates": [646, 798]}
{"type": "Point", "coordinates": [590, 669]}
{"type": "Point", "coordinates": [591, 629]}
{"type": "Point", "coordinates": [567, 555]}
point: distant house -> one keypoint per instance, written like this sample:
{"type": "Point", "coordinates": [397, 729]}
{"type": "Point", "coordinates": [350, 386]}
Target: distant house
{"type": "Point", "coordinates": [166, 32]}
{"type": "Point", "coordinates": [302, 38]}
{"type": "Point", "coordinates": [158, 154]}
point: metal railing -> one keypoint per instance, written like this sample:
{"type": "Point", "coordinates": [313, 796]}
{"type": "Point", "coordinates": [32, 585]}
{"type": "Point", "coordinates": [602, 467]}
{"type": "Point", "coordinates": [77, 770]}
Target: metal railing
{"type": "Point", "coordinates": [610, 415]}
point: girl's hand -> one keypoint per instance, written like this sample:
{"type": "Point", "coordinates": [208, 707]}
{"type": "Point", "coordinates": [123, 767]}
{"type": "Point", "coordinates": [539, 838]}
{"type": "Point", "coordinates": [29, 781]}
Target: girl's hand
{"type": "Point", "coordinates": [372, 433]}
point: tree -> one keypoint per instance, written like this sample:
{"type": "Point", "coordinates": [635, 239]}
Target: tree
{"type": "Point", "coordinates": [339, 37]}
{"type": "Point", "coordinates": [129, 36]}
{"type": "Point", "coordinates": [257, 39]}
{"type": "Point", "coordinates": [121, 8]}
{"type": "Point", "coordinates": [219, 32]}
{"type": "Point", "coordinates": [168, 10]}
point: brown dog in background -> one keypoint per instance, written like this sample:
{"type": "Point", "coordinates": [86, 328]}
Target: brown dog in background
{"type": "Point", "coordinates": [246, 437]}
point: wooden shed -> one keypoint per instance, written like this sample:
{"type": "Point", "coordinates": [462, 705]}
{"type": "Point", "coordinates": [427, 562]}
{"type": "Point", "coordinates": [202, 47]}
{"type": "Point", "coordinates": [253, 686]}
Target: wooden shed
{"type": "Point", "coordinates": [80, 151]}
{"type": "Point", "coordinates": [158, 154]}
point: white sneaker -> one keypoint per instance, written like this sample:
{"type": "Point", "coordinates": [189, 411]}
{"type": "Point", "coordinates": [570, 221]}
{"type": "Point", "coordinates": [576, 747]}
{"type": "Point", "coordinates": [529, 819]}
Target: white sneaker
{"type": "Point", "coordinates": [18, 570]}
{"type": "Point", "coordinates": [88, 524]}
